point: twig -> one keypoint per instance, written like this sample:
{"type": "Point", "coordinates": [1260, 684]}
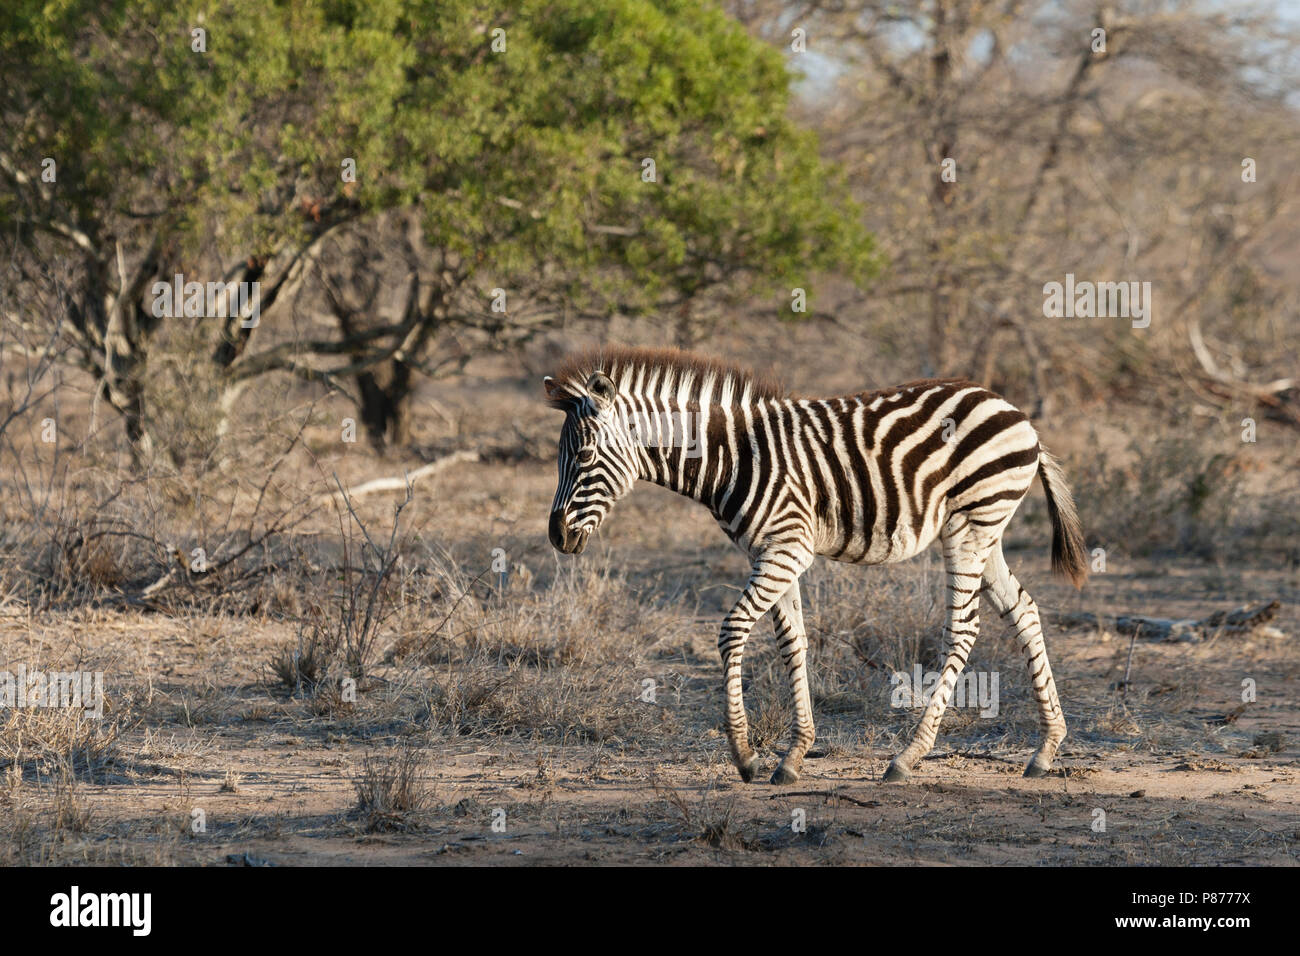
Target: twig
{"type": "Point", "coordinates": [1128, 668]}
{"type": "Point", "coordinates": [827, 794]}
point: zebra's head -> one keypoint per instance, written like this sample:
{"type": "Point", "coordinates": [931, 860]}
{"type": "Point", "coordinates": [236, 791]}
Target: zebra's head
{"type": "Point", "coordinates": [597, 462]}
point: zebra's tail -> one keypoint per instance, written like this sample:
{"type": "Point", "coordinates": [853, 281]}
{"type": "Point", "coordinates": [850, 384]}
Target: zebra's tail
{"type": "Point", "coordinates": [1069, 558]}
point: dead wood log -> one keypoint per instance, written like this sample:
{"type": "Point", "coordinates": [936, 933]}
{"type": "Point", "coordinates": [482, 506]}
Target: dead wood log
{"type": "Point", "coordinates": [1244, 620]}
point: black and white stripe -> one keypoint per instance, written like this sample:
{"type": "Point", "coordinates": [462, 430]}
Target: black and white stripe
{"type": "Point", "coordinates": [871, 478]}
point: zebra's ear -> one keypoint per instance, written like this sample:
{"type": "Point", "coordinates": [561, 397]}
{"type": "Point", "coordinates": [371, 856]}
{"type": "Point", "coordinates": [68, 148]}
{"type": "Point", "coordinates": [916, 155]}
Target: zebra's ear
{"type": "Point", "coordinates": [601, 389]}
{"type": "Point", "coordinates": [556, 396]}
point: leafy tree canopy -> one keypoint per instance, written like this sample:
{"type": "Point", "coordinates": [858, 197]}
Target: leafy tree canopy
{"type": "Point", "coordinates": [518, 129]}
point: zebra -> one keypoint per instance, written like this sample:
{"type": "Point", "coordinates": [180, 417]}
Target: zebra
{"type": "Point", "coordinates": [868, 478]}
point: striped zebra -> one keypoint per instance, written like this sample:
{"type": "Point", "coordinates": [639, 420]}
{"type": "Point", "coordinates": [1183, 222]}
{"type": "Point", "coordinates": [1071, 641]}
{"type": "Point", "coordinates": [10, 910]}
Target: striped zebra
{"type": "Point", "coordinates": [870, 478]}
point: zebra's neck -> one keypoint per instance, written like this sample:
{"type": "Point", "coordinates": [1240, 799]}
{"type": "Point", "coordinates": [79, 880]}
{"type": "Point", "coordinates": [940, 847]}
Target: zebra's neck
{"type": "Point", "coordinates": [687, 447]}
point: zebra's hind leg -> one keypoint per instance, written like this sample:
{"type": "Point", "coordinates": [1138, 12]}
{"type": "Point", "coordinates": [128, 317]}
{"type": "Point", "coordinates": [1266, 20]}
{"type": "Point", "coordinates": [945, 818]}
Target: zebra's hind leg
{"type": "Point", "coordinates": [1015, 604]}
{"type": "Point", "coordinates": [965, 549]}
{"type": "Point", "coordinates": [792, 640]}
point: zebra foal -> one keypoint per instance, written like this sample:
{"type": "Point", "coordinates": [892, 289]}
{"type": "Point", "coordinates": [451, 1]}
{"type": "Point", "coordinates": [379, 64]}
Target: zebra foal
{"type": "Point", "coordinates": [871, 478]}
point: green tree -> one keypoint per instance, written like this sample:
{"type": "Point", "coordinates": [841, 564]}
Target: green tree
{"type": "Point", "coordinates": [584, 158]}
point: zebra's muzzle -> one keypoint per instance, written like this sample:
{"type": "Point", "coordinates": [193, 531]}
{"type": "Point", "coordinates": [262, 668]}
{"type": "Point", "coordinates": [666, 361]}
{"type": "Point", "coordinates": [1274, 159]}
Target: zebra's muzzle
{"type": "Point", "coordinates": [564, 540]}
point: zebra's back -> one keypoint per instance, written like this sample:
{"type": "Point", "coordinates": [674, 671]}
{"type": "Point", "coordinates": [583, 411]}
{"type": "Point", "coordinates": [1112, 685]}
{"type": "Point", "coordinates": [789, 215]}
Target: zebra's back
{"type": "Point", "coordinates": [885, 470]}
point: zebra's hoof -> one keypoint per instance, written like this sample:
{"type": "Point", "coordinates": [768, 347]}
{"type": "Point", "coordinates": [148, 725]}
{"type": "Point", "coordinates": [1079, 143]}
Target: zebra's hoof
{"type": "Point", "coordinates": [784, 774]}
{"type": "Point", "coordinates": [1037, 768]}
{"type": "Point", "coordinates": [749, 769]}
{"type": "Point", "coordinates": [896, 773]}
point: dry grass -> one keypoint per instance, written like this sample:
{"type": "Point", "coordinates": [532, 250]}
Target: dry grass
{"type": "Point", "coordinates": [1173, 492]}
{"type": "Point", "coordinates": [391, 791]}
{"type": "Point", "coordinates": [46, 742]}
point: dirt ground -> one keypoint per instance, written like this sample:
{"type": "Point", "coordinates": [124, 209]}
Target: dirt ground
{"type": "Point", "coordinates": [218, 763]}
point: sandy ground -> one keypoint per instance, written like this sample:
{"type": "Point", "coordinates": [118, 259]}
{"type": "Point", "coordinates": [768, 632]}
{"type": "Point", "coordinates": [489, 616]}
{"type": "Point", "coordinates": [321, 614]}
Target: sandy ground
{"type": "Point", "coordinates": [274, 783]}
{"type": "Point", "coordinates": [1160, 809]}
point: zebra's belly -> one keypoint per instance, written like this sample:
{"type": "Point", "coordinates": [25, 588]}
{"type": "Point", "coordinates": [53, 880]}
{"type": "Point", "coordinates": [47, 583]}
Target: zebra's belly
{"type": "Point", "coordinates": [874, 546]}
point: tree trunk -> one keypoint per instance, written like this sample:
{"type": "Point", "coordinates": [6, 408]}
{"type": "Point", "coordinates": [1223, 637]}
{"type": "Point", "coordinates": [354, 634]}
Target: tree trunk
{"type": "Point", "coordinates": [385, 407]}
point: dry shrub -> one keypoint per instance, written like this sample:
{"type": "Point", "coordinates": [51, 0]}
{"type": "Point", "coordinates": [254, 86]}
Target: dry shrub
{"type": "Point", "coordinates": [711, 822]}
{"type": "Point", "coordinates": [89, 549]}
{"type": "Point", "coordinates": [873, 620]}
{"type": "Point", "coordinates": [390, 790]}
{"type": "Point", "coordinates": [770, 712]}
{"type": "Point", "coordinates": [183, 392]}
{"type": "Point", "coordinates": [564, 662]}
{"type": "Point", "coordinates": [341, 641]}
{"type": "Point", "coordinates": [584, 618]}
{"type": "Point", "coordinates": [98, 563]}
{"type": "Point", "coordinates": [302, 666]}
{"type": "Point", "coordinates": [45, 741]}
{"type": "Point", "coordinates": [68, 812]}
{"type": "Point", "coordinates": [564, 705]}
{"type": "Point", "coordinates": [1176, 492]}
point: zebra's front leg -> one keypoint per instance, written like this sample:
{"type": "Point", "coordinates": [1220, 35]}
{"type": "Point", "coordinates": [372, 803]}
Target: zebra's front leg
{"type": "Point", "coordinates": [731, 646]}
{"type": "Point", "coordinates": [793, 643]}
{"type": "Point", "coordinates": [773, 574]}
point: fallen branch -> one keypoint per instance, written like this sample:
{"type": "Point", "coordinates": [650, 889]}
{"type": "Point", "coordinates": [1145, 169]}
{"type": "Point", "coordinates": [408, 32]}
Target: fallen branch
{"type": "Point", "coordinates": [1244, 620]}
{"type": "Point", "coordinates": [1275, 395]}
{"type": "Point", "coordinates": [401, 483]}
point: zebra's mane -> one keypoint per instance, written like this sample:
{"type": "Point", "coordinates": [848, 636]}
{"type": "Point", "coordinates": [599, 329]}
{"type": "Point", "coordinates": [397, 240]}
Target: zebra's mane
{"type": "Point", "coordinates": [665, 373]}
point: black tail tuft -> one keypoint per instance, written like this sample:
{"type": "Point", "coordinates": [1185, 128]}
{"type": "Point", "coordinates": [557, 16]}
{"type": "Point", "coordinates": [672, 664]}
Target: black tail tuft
{"type": "Point", "coordinates": [1069, 558]}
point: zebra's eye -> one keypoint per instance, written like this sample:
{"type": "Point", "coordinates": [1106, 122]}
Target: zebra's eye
{"type": "Point", "coordinates": [586, 456]}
